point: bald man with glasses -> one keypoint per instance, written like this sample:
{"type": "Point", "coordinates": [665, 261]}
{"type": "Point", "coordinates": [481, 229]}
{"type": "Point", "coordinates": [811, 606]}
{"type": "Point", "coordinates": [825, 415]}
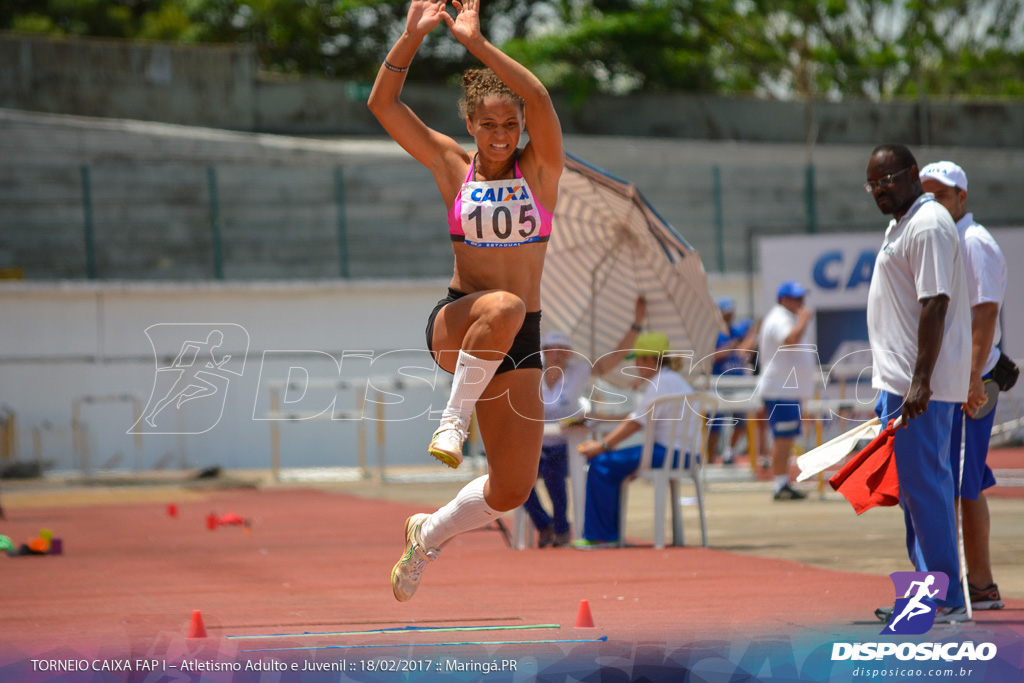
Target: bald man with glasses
{"type": "Point", "coordinates": [919, 327]}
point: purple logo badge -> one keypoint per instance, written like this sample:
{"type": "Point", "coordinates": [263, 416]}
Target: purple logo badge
{"type": "Point", "coordinates": [914, 613]}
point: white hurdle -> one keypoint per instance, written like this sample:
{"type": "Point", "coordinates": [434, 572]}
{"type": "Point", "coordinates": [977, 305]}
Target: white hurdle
{"type": "Point", "coordinates": [79, 430]}
{"type": "Point", "coordinates": [368, 390]}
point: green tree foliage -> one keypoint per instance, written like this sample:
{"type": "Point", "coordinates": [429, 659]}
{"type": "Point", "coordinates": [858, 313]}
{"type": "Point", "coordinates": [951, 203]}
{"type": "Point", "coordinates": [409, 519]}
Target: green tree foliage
{"type": "Point", "coordinates": [883, 48]}
{"type": "Point", "coordinates": [769, 48]}
{"type": "Point", "coordinates": [626, 45]}
{"type": "Point", "coordinates": [336, 38]}
{"type": "Point", "coordinates": [104, 18]}
{"type": "Point", "coordinates": [784, 48]}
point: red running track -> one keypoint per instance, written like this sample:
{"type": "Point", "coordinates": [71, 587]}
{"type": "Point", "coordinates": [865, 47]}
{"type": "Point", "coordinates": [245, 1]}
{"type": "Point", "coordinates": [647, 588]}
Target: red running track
{"type": "Point", "coordinates": [131, 576]}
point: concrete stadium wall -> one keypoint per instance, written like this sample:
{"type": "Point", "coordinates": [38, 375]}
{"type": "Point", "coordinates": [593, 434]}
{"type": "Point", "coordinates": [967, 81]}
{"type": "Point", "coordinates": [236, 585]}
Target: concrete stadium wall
{"type": "Point", "coordinates": [220, 86]}
{"type": "Point", "coordinates": [212, 85]}
{"type": "Point", "coordinates": [280, 213]}
{"type": "Point", "coordinates": [65, 342]}
{"type": "Point", "coordinates": [104, 346]}
{"type": "Point", "coordinates": [98, 347]}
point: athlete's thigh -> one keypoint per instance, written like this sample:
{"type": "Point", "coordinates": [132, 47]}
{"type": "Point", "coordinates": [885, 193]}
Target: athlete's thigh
{"type": "Point", "coordinates": [453, 321]}
{"type": "Point", "coordinates": [511, 418]}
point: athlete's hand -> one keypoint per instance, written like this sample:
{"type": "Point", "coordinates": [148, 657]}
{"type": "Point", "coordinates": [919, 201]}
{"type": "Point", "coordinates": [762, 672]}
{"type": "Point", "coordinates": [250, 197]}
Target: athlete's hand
{"type": "Point", "coordinates": [424, 15]}
{"type": "Point", "coordinates": [466, 25]}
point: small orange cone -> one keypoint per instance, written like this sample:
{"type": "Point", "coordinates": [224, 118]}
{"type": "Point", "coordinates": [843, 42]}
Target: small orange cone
{"type": "Point", "coordinates": [196, 628]}
{"type": "Point", "coordinates": [583, 616]}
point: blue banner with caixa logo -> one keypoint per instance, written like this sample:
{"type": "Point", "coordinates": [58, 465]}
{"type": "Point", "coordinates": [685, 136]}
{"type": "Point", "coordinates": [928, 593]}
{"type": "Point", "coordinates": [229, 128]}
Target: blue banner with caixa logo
{"type": "Point", "coordinates": [836, 271]}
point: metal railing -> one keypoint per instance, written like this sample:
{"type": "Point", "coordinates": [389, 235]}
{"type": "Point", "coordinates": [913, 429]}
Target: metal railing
{"type": "Point", "coordinates": [181, 220]}
{"type": "Point", "coordinates": [187, 221]}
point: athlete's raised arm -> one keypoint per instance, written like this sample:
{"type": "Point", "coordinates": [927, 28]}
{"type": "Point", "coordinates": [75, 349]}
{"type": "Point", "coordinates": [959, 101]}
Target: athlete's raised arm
{"type": "Point", "coordinates": [434, 150]}
{"type": "Point", "coordinates": [545, 147]}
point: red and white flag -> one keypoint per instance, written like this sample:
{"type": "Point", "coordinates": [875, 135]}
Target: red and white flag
{"type": "Point", "coordinates": [819, 459]}
{"type": "Point", "coordinates": [870, 479]}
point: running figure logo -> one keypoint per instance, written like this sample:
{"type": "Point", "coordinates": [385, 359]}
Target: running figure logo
{"type": "Point", "coordinates": [914, 613]}
{"type": "Point", "coordinates": [199, 374]}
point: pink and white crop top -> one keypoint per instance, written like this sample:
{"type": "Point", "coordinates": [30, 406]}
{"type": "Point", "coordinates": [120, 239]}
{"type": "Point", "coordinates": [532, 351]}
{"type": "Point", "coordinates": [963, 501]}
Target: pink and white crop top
{"type": "Point", "coordinates": [497, 213]}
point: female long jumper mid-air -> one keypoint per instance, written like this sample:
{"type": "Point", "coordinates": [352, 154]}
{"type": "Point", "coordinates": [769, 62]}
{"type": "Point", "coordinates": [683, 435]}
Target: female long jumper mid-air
{"type": "Point", "coordinates": [487, 330]}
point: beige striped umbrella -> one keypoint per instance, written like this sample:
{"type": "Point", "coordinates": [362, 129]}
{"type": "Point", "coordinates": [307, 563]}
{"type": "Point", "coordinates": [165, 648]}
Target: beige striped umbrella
{"type": "Point", "coordinates": [608, 245]}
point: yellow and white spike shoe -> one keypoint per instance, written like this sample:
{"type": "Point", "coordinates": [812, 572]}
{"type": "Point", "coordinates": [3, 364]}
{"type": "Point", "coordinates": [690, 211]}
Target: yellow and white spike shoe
{"type": "Point", "coordinates": [407, 572]}
{"type": "Point", "coordinates": [446, 444]}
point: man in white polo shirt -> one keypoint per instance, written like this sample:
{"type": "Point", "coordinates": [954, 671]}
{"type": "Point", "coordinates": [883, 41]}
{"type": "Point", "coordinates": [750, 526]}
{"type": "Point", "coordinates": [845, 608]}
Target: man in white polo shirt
{"type": "Point", "coordinates": [787, 378]}
{"type": "Point", "coordinates": [919, 327]}
{"type": "Point", "coordinates": [985, 268]}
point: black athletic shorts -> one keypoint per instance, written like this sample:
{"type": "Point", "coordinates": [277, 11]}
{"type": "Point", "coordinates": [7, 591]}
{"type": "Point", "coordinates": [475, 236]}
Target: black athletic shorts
{"type": "Point", "coordinates": [525, 351]}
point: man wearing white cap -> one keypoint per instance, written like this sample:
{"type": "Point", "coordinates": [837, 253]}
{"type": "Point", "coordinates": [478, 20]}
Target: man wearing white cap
{"type": "Point", "coordinates": [985, 268]}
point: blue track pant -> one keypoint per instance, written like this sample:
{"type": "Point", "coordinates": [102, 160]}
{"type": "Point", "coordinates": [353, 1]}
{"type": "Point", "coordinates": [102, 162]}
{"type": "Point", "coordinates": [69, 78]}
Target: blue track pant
{"type": "Point", "coordinates": [926, 489]}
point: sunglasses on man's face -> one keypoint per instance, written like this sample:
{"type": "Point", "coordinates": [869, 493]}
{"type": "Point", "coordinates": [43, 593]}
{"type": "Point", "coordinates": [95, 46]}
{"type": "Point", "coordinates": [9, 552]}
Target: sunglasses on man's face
{"type": "Point", "coordinates": [884, 181]}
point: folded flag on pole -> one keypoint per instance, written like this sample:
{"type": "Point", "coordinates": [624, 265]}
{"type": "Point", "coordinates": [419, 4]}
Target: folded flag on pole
{"type": "Point", "coordinates": [828, 454]}
{"type": "Point", "coordinates": [869, 479]}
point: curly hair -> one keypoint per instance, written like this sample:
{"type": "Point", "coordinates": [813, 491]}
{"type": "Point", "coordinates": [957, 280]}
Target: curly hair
{"type": "Point", "coordinates": [478, 84]}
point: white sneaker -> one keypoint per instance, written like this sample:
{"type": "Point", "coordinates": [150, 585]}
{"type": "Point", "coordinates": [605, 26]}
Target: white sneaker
{"type": "Point", "coordinates": [407, 572]}
{"type": "Point", "coordinates": [446, 444]}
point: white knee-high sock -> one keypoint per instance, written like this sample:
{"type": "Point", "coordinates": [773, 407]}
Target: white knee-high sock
{"type": "Point", "coordinates": [472, 375]}
{"type": "Point", "coordinates": [467, 511]}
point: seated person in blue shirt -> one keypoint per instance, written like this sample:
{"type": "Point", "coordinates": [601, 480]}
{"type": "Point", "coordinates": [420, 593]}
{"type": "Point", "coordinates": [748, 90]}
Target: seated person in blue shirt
{"type": "Point", "coordinates": [610, 467]}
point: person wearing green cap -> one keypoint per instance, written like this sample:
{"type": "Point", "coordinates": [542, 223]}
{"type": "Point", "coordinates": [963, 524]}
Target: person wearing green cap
{"type": "Point", "coordinates": [609, 466]}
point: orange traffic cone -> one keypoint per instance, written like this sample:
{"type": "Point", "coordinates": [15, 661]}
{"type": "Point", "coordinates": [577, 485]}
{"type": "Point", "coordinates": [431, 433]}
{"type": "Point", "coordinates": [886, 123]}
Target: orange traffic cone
{"type": "Point", "coordinates": [583, 616]}
{"type": "Point", "coordinates": [195, 627]}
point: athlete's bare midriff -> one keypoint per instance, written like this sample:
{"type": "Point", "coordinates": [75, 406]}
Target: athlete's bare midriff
{"type": "Point", "coordinates": [516, 270]}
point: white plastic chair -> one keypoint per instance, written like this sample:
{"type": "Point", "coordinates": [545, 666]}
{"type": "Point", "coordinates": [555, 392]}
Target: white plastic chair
{"type": "Point", "coordinates": [689, 430]}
